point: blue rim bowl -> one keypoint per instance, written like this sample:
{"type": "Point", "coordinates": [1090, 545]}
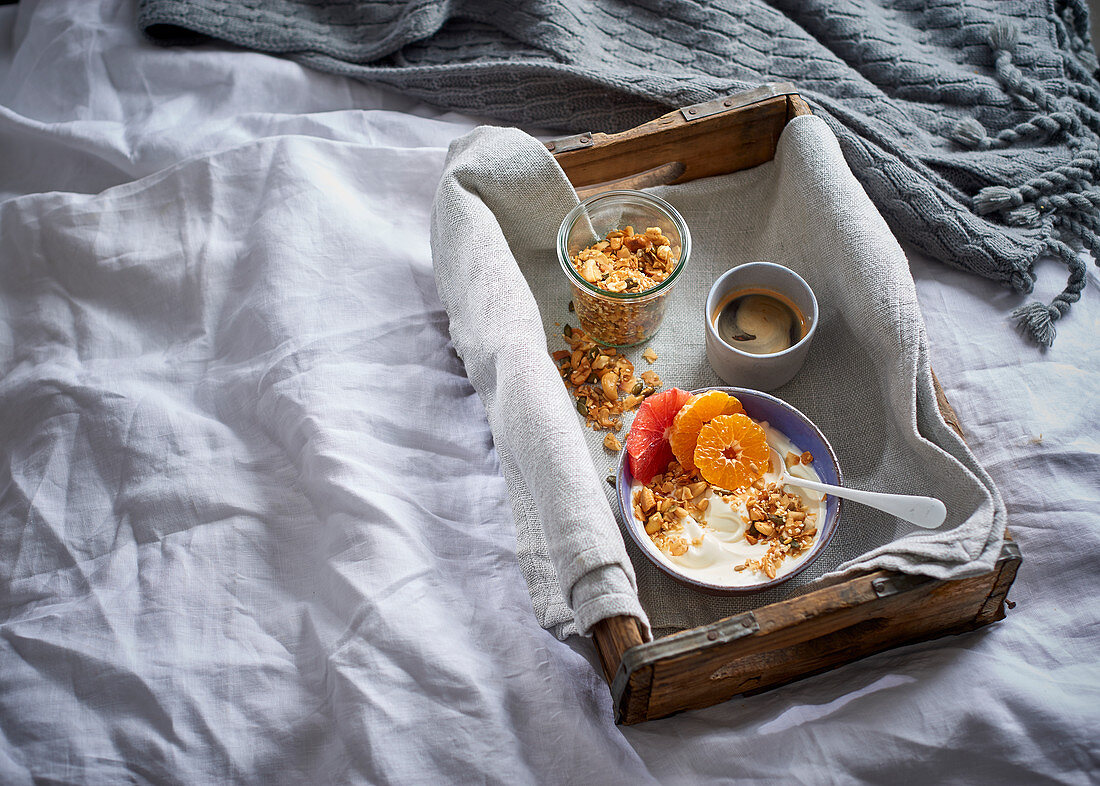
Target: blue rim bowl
{"type": "Point", "coordinates": [803, 433]}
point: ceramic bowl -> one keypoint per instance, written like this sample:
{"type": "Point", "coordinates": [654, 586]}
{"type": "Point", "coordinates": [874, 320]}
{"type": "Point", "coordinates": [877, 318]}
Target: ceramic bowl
{"type": "Point", "coordinates": [804, 434]}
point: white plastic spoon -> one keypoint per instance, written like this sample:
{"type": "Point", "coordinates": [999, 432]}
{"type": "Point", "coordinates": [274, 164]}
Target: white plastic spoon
{"type": "Point", "coordinates": [927, 512]}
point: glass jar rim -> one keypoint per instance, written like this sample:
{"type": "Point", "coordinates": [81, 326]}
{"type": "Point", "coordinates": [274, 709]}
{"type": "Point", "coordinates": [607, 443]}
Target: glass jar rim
{"type": "Point", "coordinates": [671, 213]}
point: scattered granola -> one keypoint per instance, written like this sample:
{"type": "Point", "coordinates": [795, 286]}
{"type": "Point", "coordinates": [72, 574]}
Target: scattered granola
{"type": "Point", "coordinates": [602, 381]}
{"type": "Point", "coordinates": [650, 355]}
{"type": "Point", "coordinates": [611, 442]}
{"type": "Point", "coordinates": [793, 459]}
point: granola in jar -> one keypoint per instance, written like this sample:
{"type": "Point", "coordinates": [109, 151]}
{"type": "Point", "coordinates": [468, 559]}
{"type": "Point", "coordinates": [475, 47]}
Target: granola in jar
{"type": "Point", "coordinates": [622, 252]}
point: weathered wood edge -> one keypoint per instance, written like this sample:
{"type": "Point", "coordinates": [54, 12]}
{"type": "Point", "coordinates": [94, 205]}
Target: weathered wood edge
{"type": "Point", "coordinates": [680, 145]}
{"type": "Point", "coordinates": [797, 107]}
{"type": "Point", "coordinates": [946, 409]}
{"type": "Point", "coordinates": [613, 637]}
{"type": "Point", "coordinates": [994, 607]}
{"type": "Point", "coordinates": [789, 650]}
{"type": "Point", "coordinates": [781, 625]}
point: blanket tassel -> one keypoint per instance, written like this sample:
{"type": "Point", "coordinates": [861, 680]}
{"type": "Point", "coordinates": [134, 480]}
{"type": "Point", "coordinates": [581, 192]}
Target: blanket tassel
{"type": "Point", "coordinates": [1064, 198]}
{"type": "Point", "coordinates": [1038, 319]}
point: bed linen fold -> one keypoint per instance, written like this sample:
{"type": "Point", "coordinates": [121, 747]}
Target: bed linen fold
{"type": "Point", "coordinates": [246, 485]}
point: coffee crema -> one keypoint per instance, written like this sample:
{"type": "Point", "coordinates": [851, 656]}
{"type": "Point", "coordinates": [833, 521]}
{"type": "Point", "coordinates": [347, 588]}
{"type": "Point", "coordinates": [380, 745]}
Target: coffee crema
{"type": "Point", "coordinates": [759, 321]}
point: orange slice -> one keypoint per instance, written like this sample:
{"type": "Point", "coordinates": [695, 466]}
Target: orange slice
{"type": "Point", "coordinates": [732, 451]}
{"type": "Point", "coordinates": [699, 410]}
{"type": "Point", "coordinates": [733, 407]}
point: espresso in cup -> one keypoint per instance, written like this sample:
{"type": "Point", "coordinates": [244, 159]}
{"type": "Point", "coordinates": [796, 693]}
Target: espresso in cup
{"type": "Point", "coordinates": [759, 321]}
{"type": "Point", "coordinates": [760, 318]}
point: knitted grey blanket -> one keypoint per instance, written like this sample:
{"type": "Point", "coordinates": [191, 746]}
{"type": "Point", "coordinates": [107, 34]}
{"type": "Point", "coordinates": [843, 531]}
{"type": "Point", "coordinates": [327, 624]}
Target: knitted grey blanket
{"type": "Point", "coordinates": [972, 124]}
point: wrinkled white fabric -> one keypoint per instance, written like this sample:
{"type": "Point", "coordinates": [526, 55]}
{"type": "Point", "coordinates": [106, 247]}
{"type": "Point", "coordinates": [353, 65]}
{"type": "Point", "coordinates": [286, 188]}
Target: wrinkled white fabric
{"type": "Point", "coordinates": [252, 525]}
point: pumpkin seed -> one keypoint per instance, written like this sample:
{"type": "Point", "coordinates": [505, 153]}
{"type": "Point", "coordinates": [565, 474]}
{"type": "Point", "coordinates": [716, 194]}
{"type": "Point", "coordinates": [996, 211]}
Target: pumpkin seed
{"type": "Point", "coordinates": [637, 389]}
{"type": "Point", "coordinates": [572, 308]}
{"type": "Point", "coordinates": [567, 331]}
{"type": "Point", "coordinates": [582, 406]}
{"type": "Point", "coordinates": [610, 480]}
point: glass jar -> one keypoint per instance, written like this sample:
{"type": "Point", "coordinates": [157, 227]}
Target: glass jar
{"type": "Point", "coordinates": [620, 319]}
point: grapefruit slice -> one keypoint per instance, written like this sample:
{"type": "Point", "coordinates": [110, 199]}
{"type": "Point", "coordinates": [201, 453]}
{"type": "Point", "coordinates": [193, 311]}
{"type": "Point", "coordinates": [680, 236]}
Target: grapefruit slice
{"type": "Point", "coordinates": [699, 410]}
{"type": "Point", "coordinates": [732, 451]}
{"type": "Point", "coordinates": [647, 448]}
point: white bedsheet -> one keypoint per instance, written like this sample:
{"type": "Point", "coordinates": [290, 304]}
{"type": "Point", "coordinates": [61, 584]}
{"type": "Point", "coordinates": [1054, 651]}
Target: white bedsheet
{"type": "Point", "coordinates": [252, 528]}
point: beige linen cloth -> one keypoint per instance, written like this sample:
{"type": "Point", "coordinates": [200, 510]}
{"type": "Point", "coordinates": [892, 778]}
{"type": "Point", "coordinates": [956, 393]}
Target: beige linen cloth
{"type": "Point", "coordinates": [866, 383]}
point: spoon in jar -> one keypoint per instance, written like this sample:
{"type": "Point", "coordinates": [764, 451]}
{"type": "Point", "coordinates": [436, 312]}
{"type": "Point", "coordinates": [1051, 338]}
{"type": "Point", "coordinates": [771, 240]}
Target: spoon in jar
{"type": "Point", "coordinates": [927, 512]}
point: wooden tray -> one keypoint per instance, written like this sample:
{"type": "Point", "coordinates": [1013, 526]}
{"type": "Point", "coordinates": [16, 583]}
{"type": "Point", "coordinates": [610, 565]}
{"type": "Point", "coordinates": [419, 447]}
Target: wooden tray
{"type": "Point", "coordinates": [837, 622]}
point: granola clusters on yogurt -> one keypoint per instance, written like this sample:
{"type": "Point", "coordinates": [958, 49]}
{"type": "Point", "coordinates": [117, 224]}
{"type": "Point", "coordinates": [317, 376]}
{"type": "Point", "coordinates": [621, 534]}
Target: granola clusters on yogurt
{"type": "Point", "coordinates": [625, 263]}
{"type": "Point", "coordinates": [707, 488]}
{"type": "Point", "coordinates": [666, 501]}
{"type": "Point", "coordinates": [776, 519]}
{"type": "Point", "coordinates": [779, 520]}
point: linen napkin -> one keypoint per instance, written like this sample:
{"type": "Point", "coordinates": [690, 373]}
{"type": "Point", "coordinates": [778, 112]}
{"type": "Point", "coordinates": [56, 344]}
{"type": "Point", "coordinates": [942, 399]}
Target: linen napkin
{"type": "Point", "coordinates": [866, 383]}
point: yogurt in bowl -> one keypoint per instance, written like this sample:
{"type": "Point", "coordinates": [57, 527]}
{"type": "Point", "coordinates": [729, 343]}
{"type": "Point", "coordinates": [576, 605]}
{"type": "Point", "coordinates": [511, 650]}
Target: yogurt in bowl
{"type": "Point", "coordinates": [742, 540]}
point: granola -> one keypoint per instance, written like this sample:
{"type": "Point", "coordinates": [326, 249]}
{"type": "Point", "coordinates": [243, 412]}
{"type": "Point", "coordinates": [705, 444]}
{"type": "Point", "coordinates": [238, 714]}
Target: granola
{"type": "Point", "coordinates": [626, 261]}
{"type": "Point", "coordinates": [602, 382]}
{"type": "Point", "coordinates": [625, 264]}
{"type": "Point", "coordinates": [777, 519]}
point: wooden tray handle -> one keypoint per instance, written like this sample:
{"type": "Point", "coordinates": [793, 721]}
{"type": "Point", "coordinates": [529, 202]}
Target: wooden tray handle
{"type": "Point", "coordinates": [613, 637]}
{"type": "Point", "coordinates": [721, 136]}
